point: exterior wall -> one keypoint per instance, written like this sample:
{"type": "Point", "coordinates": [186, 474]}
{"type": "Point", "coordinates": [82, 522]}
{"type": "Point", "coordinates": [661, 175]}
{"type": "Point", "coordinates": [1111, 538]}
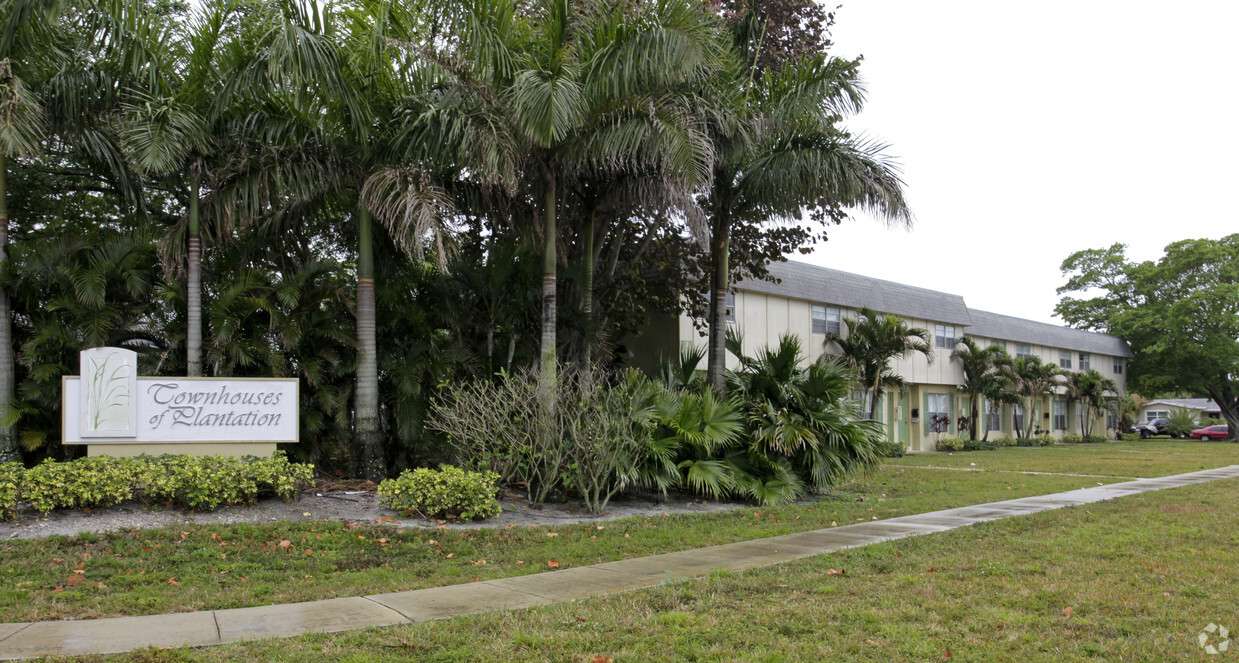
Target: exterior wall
{"type": "Point", "coordinates": [763, 318]}
{"type": "Point", "coordinates": [659, 340]}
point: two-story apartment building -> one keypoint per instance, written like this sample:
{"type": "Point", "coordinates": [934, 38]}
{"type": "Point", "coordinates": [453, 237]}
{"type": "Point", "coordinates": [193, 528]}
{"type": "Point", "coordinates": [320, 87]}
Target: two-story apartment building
{"type": "Point", "coordinates": [811, 301]}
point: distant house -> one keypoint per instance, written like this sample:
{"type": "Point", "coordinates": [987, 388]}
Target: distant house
{"type": "Point", "coordinates": [810, 301]}
{"type": "Point", "coordinates": [1201, 408]}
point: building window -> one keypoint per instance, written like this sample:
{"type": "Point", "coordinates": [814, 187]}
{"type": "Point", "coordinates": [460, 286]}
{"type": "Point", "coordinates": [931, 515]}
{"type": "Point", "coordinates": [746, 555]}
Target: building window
{"type": "Point", "coordinates": [1084, 361]}
{"type": "Point", "coordinates": [1060, 415]}
{"type": "Point", "coordinates": [1112, 422]}
{"type": "Point", "coordinates": [825, 320]}
{"type": "Point", "coordinates": [1023, 351]}
{"type": "Point", "coordinates": [731, 306]}
{"type": "Point", "coordinates": [993, 421]}
{"type": "Point", "coordinates": [1154, 414]}
{"type": "Point", "coordinates": [1019, 418]}
{"type": "Point", "coordinates": [938, 414]}
{"type": "Point", "coordinates": [1064, 359]}
{"type": "Point", "coordinates": [1118, 366]}
{"type": "Point", "coordinates": [944, 336]}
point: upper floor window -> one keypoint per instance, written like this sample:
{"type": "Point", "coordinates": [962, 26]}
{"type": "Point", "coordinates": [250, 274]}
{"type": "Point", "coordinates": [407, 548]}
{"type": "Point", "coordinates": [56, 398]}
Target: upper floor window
{"type": "Point", "coordinates": [1023, 351]}
{"type": "Point", "coordinates": [1084, 361]}
{"type": "Point", "coordinates": [825, 320]}
{"type": "Point", "coordinates": [1064, 359]}
{"type": "Point", "coordinates": [944, 336]}
{"type": "Point", "coordinates": [1118, 366]}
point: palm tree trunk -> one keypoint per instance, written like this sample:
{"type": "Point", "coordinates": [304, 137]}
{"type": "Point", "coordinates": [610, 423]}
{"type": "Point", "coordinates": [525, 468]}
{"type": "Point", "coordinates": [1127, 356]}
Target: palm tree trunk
{"type": "Point", "coordinates": [370, 461]}
{"type": "Point", "coordinates": [193, 331]}
{"type": "Point", "coordinates": [9, 449]}
{"type": "Point", "coordinates": [972, 416]}
{"type": "Point", "coordinates": [549, 361]}
{"type": "Point", "coordinates": [717, 361]}
{"type": "Point", "coordinates": [587, 307]}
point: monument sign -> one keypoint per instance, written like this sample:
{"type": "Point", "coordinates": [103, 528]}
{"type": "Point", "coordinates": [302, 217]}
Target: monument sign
{"type": "Point", "coordinates": [116, 413]}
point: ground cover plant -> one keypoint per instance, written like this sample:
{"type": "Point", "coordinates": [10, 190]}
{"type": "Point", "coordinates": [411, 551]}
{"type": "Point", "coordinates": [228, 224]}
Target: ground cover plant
{"type": "Point", "coordinates": [220, 566]}
{"type": "Point", "coordinates": [1137, 458]}
{"type": "Point", "coordinates": [1132, 579]}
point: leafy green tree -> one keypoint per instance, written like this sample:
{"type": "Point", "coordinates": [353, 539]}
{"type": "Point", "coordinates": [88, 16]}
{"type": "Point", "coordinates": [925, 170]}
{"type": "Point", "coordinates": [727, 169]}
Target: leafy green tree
{"type": "Point", "coordinates": [985, 376]}
{"type": "Point", "coordinates": [1180, 314]}
{"type": "Point", "coordinates": [873, 341]}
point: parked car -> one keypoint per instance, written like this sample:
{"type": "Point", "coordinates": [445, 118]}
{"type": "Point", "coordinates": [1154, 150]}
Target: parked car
{"type": "Point", "coordinates": [1155, 427]}
{"type": "Point", "coordinates": [1211, 433]}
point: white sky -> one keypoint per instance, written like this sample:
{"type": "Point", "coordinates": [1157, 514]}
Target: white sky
{"type": "Point", "coordinates": [1028, 131]}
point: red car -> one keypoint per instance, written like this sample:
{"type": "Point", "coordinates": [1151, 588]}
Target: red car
{"type": "Point", "coordinates": [1211, 433]}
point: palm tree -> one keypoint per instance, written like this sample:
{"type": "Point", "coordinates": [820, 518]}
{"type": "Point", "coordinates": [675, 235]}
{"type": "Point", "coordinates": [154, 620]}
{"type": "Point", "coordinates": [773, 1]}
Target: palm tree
{"type": "Point", "coordinates": [170, 126]}
{"type": "Point", "coordinates": [1033, 380]}
{"type": "Point", "coordinates": [985, 376]}
{"type": "Point", "coordinates": [1090, 389]}
{"type": "Point", "coordinates": [780, 153]}
{"type": "Point", "coordinates": [27, 36]}
{"type": "Point", "coordinates": [873, 341]}
{"type": "Point", "coordinates": [555, 90]}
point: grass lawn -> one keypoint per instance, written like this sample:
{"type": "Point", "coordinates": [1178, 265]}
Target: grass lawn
{"type": "Point", "coordinates": [1146, 458]}
{"type": "Point", "coordinates": [207, 567]}
{"type": "Point", "coordinates": [1133, 579]}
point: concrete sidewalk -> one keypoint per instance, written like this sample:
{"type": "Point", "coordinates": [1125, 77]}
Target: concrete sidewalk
{"type": "Point", "coordinates": [196, 629]}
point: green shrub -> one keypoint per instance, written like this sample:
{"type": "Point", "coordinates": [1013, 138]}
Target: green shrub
{"type": "Point", "coordinates": [1094, 439]}
{"type": "Point", "coordinates": [980, 445]}
{"type": "Point", "coordinates": [86, 483]}
{"type": "Point", "coordinates": [1129, 437]}
{"type": "Point", "coordinates": [195, 482]}
{"type": "Point", "coordinates": [10, 488]}
{"type": "Point", "coordinates": [952, 444]}
{"type": "Point", "coordinates": [892, 450]}
{"type": "Point", "coordinates": [1028, 442]}
{"type": "Point", "coordinates": [1046, 440]}
{"type": "Point", "coordinates": [1073, 439]}
{"type": "Point", "coordinates": [1006, 441]}
{"type": "Point", "coordinates": [278, 476]}
{"type": "Point", "coordinates": [448, 492]}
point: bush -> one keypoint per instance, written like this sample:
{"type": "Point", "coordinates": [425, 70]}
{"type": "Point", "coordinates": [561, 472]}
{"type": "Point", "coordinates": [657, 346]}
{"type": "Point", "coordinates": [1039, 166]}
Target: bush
{"type": "Point", "coordinates": [194, 482]}
{"type": "Point", "coordinates": [980, 445]}
{"type": "Point", "coordinates": [1073, 439]}
{"type": "Point", "coordinates": [892, 450]}
{"type": "Point", "coordinates": [10, 488]}
{"type": "Point", "coordinates": [1006, 441]}
{"type": "Point", "coordinates": [448, 492]}
{"type": "Point", "coordinates": [951, 444]}
{"type": "Point", "coordinates": [86, 483]}
{"type": "Point", "coordinates": [1129, 437]}
{"type": "Point", "coordinates": [1045, 440]}
{"type": "Point", "coordinates": [1094, 439]}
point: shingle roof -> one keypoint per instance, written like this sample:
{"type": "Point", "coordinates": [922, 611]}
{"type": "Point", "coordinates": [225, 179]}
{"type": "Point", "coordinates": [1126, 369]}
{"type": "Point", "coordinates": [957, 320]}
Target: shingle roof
{"type": "Point", "coordinates": [1009, 328]}
{"type": "Point", "coordinates": [831, 286]}
{"type": "Point", "coordinates": [1193, 403]}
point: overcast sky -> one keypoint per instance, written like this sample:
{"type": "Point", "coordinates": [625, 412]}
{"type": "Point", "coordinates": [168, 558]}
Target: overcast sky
{"type": "Point", "coordinates": [1028, 131]}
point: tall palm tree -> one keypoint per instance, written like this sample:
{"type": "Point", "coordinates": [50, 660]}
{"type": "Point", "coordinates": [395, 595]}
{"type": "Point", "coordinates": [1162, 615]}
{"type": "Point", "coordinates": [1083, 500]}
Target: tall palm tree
{"type": "Point", "coordinates": [27, 35]}
{"type": "Point", "coordinates": [873, 341]}
{"type": "Point", "coordinates": [782, 153]}
{"type": "Point", "coordinates": [985, 376]}
{"type": "Point", "coordinates": [1033, 380]}
{"type": "Point", "coordinates": [170, 125]}
{"type": "Point", "coordinates": [1090, 390]}
{"type": "Point", "coordinates": [556, 90]}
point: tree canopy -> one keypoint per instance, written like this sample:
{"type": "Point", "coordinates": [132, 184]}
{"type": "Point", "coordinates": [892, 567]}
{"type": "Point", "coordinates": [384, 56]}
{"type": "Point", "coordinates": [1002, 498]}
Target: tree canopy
{"type": "Point", "coordinates": [1180, 314]}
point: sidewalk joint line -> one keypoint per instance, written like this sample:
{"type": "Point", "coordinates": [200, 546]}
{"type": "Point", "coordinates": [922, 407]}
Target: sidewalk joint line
{"type": "Point", "coordinates": [375, 601]}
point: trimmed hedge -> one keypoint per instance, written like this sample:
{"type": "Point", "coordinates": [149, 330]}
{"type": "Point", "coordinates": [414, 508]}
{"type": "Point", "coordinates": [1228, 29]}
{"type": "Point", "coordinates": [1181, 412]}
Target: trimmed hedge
{"type": "Point", "coordinates": [195, 482]}
{"type": "Point", "coordinates": [951, 444]}
{"type": "Point", "coordinates": [448, 492]}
